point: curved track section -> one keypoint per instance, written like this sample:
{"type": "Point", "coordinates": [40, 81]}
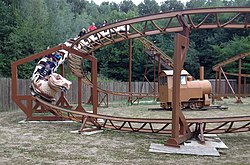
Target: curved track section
{"type": "Point", "coordinates": [136, 28]}
{"type": "Point", "coordinates": [75, 63]}
{"type": "Point", "coordinates": [206, 125]}
{"type": "Point", "coordinates": [152, 49]}
{"type": "Point", "coordinates": [235, 58]}
{"type": "Point", "coordinates": [237, 74]}
{"type": "Point", "coordinates": [238, 17]}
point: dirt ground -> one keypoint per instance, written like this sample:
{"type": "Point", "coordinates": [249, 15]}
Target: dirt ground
{"type": "Point", "coordinates": [52, 143]}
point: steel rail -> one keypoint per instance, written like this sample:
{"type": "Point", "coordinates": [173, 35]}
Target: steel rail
{"type": "Point", "coordinates": [228, 61]}
{"type": "Point", "coordinates": [75, 64]}
{"type": "Point", "coordinates": [237, 74]}
{"type": "Point", "coordinates": [117, 37]}
{"type": "Point", "coordinates": [166, 60]}
{"type": "Point", "coordinates": [150, 125]}
{"type": "Point", "coordinates": [173, 25]}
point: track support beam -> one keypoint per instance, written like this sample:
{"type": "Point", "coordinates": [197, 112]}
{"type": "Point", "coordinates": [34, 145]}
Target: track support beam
{"type": "Point", "coordinates": [180, 129]}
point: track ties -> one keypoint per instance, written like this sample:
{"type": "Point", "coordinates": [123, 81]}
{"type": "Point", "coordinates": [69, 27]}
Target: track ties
{"type": "Point", "coordinates": [235, 129]}
{"type": "Point", "coordinates": [217, 128]}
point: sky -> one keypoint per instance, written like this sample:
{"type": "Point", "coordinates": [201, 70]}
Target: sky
{"type": "Point", "coordinates": [134, 1]}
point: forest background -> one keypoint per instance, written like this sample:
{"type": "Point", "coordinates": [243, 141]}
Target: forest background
{"type": "Point", "coordinates": [31, 26]}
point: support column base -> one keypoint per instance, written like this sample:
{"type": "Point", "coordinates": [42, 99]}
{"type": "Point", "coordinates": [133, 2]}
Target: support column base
{"type": "Point", "coordinates": [175, 142]}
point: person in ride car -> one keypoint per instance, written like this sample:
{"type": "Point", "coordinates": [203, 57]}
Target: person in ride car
{"type": "Point", "coordinates": [92, 27]}
{"type": "Point", "coordinates": [82, 32]}
{"type": "Point", "coordinates": [45, 71]}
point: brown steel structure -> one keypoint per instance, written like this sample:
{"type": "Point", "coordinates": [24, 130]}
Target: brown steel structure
{"type": "Point", "coordinates": [154, 55]}
{"type": "Point", "coordinates": [178, 22]}
{"type": "Point", "coordinates": [218, 68]}
{"type": "Point", "coordinates": [146, 125]}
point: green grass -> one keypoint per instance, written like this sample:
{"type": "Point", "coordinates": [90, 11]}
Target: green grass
{"type": "Point", "coordinates": [51, 143]}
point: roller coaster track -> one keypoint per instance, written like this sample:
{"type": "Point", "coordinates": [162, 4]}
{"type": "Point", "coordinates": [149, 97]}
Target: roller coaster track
{"type": "Point", "coordinates": [149, 26]}
{"type": "Point", "coordinates": [230, 60]}
{"type": "Point", "coordinates": [198, 125]}
{"type": "Point", "coordinates": [152, 50]}
{"type": "Point", "coordinates": [139, 27]}
{"type": "Point", "coordinates": [75, 63]}
{"type": "Point", "coordinates": [237, 74]}
{"type": "Point", "coordinates": [152, 25]}
{"type": "Point", "coordinates": [218, 68]}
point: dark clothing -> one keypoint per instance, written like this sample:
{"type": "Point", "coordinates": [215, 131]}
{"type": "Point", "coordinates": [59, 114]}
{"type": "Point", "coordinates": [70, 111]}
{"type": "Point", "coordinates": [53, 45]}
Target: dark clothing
{"type": "Point", "coordinates": [82, 33]}
{"type": "Point", "coordinates": [52, 64]}
{"type": "Point", "coordinates": [45, 72]}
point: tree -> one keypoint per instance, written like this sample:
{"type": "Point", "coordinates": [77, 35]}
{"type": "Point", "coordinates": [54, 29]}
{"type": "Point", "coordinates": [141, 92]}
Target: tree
{"type": "Point", "coordinates": [171, 5]}
{"type": "Point", "coordinates": [127, 5]}
{"type": "Point", "coordinates": [195, 4]}
{"type": "Point", "coordinates": [28, 37]}
{"type": "Point", "coordinates": [64, 24]}
{"type": "Point", "coordinates": [77, 6]}
{"type": "Point", "coordinates": [7, 24]}
{"type": "Point", "coordinates": [232, 48]}
{"type": "Point", "coordinates": [114, 6]}
{"type": "Point", "coordinates": [148, 7]}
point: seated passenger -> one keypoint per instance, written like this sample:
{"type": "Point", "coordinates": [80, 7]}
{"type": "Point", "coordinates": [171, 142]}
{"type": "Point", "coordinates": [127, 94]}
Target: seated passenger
{"type": "Point", "coordinates": [105, 22]}
{"type": "Point", "coordinates": [51, 61]}
{"type": "Point", "coordinates": [92, 27]}
{"type": "Point", "coordinates": [82, 32]}
{"type": "Point", "coordinates": [45, 71]}
{"type": "Point", "coordinates": [54, 63]}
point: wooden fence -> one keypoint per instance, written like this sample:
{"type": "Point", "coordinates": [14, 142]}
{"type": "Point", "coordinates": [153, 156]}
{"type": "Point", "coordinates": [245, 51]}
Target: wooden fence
{"type": "Point", "coordinates": [6, 103]}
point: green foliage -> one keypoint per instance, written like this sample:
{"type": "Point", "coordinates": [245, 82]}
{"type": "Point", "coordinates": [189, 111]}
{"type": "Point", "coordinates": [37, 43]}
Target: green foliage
{"type": "Point", "coordinates": [30, 26]}
{"type": "Point", "coordinates": [171, 5]}
{"type": "Point", "coordinates": [148, 7]}
{"type": "Point", "coordinates": [237, 46]}
{"type": "Point", "coordinates": [127, 5]}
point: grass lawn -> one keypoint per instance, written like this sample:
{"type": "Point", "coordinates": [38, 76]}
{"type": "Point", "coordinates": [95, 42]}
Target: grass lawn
{"type": "Point", "coordinates": [52, 143]}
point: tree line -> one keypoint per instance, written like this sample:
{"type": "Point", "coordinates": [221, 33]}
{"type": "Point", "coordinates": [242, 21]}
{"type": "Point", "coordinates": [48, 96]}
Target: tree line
{"type": "Point", "coordinates": [31, 26]}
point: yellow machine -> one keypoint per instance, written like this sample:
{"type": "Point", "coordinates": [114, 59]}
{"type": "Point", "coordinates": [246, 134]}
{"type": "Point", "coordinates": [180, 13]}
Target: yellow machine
{"type": "Point", "coordinates": [193, 93]}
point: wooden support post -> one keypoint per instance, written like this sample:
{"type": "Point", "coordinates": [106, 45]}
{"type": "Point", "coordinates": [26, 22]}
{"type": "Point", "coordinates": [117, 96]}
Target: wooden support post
{"type": "Point", "coordinates": [154, 74]}
{"type": "Point", "coordinates": [159, 70]}
{"type": "Point", "coordinates": [130, 71]}
{"type": "Point", "coordinates": [79, 97]}
{"type": "Point", "coordinates": [239, 83]}
{"type": "Point", "coordinates": [94, 88]}
{"type": "Point", "coordinates": [245, 86]}
{"type": "Point", "coordinates": [227, 81]}
{"type": "Point", "coordinates": [219, 87]}
{"type": "Point", "coordinates": [180, 129]}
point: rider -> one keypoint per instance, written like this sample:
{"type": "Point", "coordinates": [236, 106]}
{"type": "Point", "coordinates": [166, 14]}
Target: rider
{"type": "Point", "coordinates": [82, 32]}
{"type": "Point", "coordinates": [92, 27]}
{"type": "Point", "coordinates": [45, 71]}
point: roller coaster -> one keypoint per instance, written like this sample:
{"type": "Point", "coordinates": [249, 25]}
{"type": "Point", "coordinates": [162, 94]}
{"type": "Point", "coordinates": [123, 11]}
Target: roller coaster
{"type": "Point", "coordinates": [80, 49]}
{"type": "Point", "coordinates": [218, 68]}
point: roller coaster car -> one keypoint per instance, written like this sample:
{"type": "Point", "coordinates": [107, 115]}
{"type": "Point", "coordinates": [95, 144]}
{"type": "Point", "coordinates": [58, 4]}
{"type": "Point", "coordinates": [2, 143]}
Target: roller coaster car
{"type": "Point", "coordinates": [98, 37]}
{"type": "Point", "coordinates": [193, 93]}
{"type": "Point", "coordinates": [47, 89]}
